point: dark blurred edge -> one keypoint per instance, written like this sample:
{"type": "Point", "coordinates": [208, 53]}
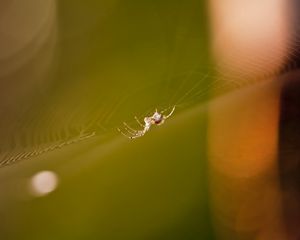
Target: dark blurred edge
{"type": "Point", "coordinates": [289, 138]}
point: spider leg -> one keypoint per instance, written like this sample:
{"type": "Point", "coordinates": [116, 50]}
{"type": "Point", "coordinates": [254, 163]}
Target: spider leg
{"type": "Point", "coordinates": [166, 109]}
{"type": "Point", "coordinates": [138, 121]}
{"type": "Point", "coordinates": [125, 135]}
{"type": "Point", "coordinates": [129, 129]}
{"type": "Point", "coordinates": [169, 115]}
{"type": "Point", "coordinates": [132, 133]}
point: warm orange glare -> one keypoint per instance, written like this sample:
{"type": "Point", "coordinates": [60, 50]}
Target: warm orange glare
{"type": "Point", "coordinates": [243, 132]}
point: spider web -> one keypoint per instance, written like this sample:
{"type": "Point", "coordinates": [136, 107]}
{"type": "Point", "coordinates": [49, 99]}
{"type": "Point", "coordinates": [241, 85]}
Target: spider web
{"type": "Point", "coordinates": [105, 77]}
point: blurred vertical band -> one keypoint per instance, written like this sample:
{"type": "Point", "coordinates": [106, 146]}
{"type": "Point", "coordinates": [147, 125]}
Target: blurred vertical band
{"type": "Point", "coordinates": [289, 152]}
{"type": "Point", "coordinates": [251, 42]}
{"type": "Point", "coordinates": [289, 144]}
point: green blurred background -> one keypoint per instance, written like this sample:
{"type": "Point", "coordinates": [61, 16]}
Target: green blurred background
{"type": "Point", "coordinates": [85, 67]}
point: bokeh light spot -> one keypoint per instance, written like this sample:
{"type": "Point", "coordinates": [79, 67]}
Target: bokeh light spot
{"type": "Point", "coordinates": [43, 183]}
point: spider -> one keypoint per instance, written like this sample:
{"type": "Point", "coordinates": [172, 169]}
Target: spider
{"type": "Point", "coordinates": [157, 118]}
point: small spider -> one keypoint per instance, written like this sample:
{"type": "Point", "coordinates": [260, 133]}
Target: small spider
{"type": "Point", "coordinates": [157, 118]}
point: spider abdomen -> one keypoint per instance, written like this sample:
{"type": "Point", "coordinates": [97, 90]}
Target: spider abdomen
{"type": "Point", "coordinates": [158, 121]}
